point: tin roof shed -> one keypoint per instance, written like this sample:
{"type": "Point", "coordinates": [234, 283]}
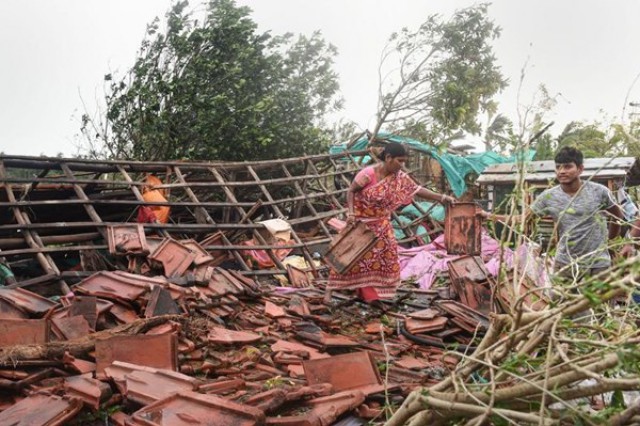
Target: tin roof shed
{"type": "Point", "coordinates": [626, 169]}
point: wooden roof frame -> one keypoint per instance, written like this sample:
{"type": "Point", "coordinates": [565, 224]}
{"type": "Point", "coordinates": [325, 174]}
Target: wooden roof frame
{"type": "Point", "coordinates": [54, 206]}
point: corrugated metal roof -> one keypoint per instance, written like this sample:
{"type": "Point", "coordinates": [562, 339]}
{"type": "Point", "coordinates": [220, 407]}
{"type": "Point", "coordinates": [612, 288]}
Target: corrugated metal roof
{"type": "Point", "coordinates": [539, 171]}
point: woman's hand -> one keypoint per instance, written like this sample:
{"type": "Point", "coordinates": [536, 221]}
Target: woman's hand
{"type": "Point", "coordinates": [447, 199]}
{"type": "Point", "coordinates": [351, 219]}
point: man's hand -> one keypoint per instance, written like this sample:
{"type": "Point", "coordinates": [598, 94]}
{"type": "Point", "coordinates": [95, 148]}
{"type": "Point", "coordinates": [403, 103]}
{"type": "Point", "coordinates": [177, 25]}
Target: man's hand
{"type": "Point", "coordinates": [627, 251]}
{"type": "Point", "coordinates": [483, 214]}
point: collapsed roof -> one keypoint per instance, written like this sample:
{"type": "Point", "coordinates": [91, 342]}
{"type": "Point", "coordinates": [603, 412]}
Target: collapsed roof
{"type": "Point", "coordinates": [54, 212]}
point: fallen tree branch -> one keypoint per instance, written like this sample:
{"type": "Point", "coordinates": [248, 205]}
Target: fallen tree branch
{"type": "Point", "coordinates": [10, 355]}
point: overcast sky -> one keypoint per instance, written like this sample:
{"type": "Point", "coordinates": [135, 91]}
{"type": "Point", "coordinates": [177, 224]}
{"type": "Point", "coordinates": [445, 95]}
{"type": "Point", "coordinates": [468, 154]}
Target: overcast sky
{"type": "Point", "coordinates": [54, 54]}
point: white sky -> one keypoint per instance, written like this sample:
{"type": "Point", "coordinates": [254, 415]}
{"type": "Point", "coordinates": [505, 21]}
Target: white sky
{"type": "Point", "coordinates": [54, 54]}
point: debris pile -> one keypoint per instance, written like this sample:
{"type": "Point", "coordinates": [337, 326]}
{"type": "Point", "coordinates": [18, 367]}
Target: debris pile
{"type": "Point", "coordinates": [572, 363]}
{"type": "Point", "coordinates": [204, 303]}
{"type": "Point", "coordinates": [133, 289]}
{"type": "Point", "coordinates": [207, 344]}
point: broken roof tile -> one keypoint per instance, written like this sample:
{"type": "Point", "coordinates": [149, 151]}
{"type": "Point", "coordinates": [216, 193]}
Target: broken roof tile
{"type": "Point", "coordinates": [160, 303]}
{"type": "Point", "coordinates": [124, 314]}
{"type": "Point", "coordinates": [127, 239]}
{"type": "Point", "coordinates": [274, 311]}
{"type": "Point", "coordinates": [411, 363]}
{"type": "Point", "coordinates": [11, 311]}
{"type": "Point", "coordinates": [189, 408]}
{"type": "Point", "coordinates": [349, 246]}
{"type": "Point", "coordinates": [323, 411]}
{"type": "Point", "coordinates": [462, 229]}
{"type": "Point", "coordinates": [113, 286]}
{"type": "Point", "coordinates": [267, 401]}
{"type": "Point", "coordinates": [41, 410]}
{"type": "Point", "coordinates": [355, 370]}
{"type": "Point", "coordinates": [222, 386]}
{"type": "Point", "coordinates": [298, 349]}
{"type": "Point", "coordinates": [27, 300]}
{"type": "Point", "coordinates": [326, 340]}
{"type": "Point", "coordinates": [159, 351]}
{"type": "Point", "coordinates": [91, 391]}
{"type": "Point", "coordinates": [23, 332]}
{"type": "Point", "coordinates": [147, 384]}
{"type": "Point", "coordinates": [424, 314]}
{"type": "Point", "coordinates": [70, 328]}
{"type": "Point", "coordinates": [88, 307]}
{"type": "Point", "coordinates": [472, 282]}
{"type": "Point", "coordinates": [202, 256]}
{"type": "Point", "coordinates": [414, 325]}
{"type": "Point", "coordinates": [174, 257]}
{"type": "Point", "coordinates": [299, 306]}
{"type": "Point", "coordinates": [118, 418]}
{"type": "Point", "coordinates": [226, 336]}
{"type": "Point", "coordinates": [80, 365]}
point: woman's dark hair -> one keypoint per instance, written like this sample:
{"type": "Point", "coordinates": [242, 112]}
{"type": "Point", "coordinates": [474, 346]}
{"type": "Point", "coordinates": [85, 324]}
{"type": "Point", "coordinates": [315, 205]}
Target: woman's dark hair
{"type": "Point", "coordinates": [394, 149]}
{"type": "Point", "coordinates": [569, 154]}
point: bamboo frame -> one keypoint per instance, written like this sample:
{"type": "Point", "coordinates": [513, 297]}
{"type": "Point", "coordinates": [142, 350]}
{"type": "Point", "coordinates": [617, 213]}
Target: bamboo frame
{"type": "Point", "coordinates": [54, 207]}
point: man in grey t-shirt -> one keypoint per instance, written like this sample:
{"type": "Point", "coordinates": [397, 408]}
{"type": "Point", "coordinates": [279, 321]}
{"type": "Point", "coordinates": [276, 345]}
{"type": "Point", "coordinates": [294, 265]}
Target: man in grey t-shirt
{"type": "Point", "coordinates": [578, 208]}
{"type": "Point", "coordinates": [582, 226]}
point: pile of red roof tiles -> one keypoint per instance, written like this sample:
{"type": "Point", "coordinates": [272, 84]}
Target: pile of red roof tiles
{"type": "Point", "coordinates": [159, 330]}
{"type": "Point", "coordinates": [226, 349]}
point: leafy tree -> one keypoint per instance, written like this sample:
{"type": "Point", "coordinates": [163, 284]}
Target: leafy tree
{"type": "Point", "coordinates": [627, 136]}
{"type": "Point", "coordinates": [545, 147]}
{"type": "Point", "coordinates": [217, 90]}
{"type": "Point", "coordinates": [498, 134]}
{"type": "Point", "coordinates": [591, 140]}
{"type": "Point", "coordinates": [441, 76]}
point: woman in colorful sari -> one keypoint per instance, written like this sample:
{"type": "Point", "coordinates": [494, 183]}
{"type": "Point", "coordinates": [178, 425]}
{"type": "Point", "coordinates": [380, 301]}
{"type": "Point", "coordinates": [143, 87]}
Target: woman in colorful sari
{"type": "Point", "coordinates": [374, 194]}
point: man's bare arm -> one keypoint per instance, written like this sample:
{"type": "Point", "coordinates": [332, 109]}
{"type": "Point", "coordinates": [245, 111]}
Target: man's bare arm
{"type": "Point", "coordinates": [614, 224]}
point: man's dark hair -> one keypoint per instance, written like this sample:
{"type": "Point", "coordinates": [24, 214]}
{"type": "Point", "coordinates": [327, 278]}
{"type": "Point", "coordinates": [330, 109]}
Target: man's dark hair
{"type": "Point", "coordinates": [569, 154]}
{"type": "Point", "coordinates": [394, 149]}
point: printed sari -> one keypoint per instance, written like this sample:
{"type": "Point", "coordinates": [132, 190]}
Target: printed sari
{"type": "Point", "coordinates": [377, 274]}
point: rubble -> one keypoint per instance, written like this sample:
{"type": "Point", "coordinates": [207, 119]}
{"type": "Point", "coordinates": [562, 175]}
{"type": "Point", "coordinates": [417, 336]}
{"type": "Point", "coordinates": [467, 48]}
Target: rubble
{"type": "Point", "coordinates": [214, 316]}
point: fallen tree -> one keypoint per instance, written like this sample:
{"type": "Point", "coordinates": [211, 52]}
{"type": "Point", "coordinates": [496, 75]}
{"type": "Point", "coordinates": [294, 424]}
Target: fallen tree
{"type": "Point", "coordinates": [542, 367]}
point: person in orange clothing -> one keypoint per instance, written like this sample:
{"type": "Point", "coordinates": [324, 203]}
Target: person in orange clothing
{"type": "Point", "coordinates": [153, 214]}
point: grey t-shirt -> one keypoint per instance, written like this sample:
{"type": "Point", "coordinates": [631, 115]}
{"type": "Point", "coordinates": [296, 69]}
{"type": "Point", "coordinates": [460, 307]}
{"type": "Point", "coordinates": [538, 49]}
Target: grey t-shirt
{"type": "Point", "coordinates": [582, 225]}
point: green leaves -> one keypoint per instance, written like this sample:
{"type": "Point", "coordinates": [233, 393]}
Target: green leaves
{"type": "Point", "coordinates": [219, 90]}
{"type": "Point", "coordinates": [446, 77]}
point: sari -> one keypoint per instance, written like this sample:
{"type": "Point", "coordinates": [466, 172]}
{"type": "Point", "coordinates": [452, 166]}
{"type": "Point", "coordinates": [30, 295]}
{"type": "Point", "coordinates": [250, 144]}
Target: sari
{"type": "Point", "coordinates": [377, 274]}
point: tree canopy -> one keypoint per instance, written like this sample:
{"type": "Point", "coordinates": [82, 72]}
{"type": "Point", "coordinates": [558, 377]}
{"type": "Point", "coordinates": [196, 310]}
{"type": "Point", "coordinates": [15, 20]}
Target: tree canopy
{"type": "Point", "coordinates": [440, 77]}
{"type": "Point", "coordinates": [218, 90]}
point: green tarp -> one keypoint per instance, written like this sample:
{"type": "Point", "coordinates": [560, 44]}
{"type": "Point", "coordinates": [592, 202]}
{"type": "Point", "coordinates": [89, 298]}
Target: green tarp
{"type": "Point", "coordinates": [455, 167]}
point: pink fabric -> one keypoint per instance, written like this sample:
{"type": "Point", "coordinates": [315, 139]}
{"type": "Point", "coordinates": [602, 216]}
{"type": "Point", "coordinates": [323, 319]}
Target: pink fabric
{"type": "Point", "coordinates": [337, 224]}
{"type": "Point", "coordinates": [423, 263]}
{"type": "Point", "coordinates": [366, 177]}
{"type": "Point", "coordinates": [261, 257]}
